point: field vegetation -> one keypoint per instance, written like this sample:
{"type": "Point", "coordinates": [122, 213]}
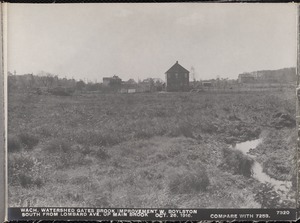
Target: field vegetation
{"type": "Point", "coordinates": [148, 150]}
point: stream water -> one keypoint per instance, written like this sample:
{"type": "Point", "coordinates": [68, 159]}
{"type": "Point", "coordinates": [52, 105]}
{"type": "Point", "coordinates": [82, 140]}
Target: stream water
{"type": "Point", "coordinates": [282, 187]}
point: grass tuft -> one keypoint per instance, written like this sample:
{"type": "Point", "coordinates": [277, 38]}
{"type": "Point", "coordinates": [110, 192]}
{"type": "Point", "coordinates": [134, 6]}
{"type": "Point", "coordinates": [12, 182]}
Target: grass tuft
{"type": "Point", "coordinates": [58, 146]}
{"type": "Point", "coordinates": [189, 182]}
{"type": "Point", "coordinates": [28, 141]}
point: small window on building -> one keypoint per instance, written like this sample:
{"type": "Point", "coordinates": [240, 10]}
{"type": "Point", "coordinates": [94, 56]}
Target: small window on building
{"type": "Point", "coordinates": [176, 75]}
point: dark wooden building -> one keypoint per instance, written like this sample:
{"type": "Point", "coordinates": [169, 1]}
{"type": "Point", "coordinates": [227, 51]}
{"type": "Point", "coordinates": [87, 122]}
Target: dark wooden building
{"type": "Point", "coordinates": [177, 78]}
{"type": "Point", "coordinates": [114, 81]}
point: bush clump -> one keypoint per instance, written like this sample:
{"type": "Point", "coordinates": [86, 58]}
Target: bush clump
{"type": "Point", "coordinates": [25, 171]}
{"type": "Point", "coordinates": [92, 138]}
{"type": "Point", "coordinates": [278, 168]}
{"type": "Point", "coordinates": [58, 146]}
{"type": "Point", "coordinates": [236, 162]}
{"type": "Point", "coordinates": [189, 182]}
{"type": "Point", "coordinates": [28, 141]}
{"type": "Point", "coordinates": [13, 143]}
{"type": "Point", "coordinates": [267, 196]}
{"type": "Point", "coordinates": [21, 141]}
{"type": "Point", "coordinates": [101, 154]}
{"type": "Point", "coordinates": [63, 154]}
{"type": "Point", "coordinates": [60, 91]}
{"type": "Point", "coordinates": [182, 129]}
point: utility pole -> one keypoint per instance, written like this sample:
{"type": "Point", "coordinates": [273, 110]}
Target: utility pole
{"type": "Point", "coordinates": [193, 73]}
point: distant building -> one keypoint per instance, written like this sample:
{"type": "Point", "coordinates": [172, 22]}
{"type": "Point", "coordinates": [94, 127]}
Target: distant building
{"type": "Point", "coordinates": [177, 78]}
{"type": "Point", "coordinates": [247, 78]}
{"type": "Point", "coordinates": [132, 90]}
{"type": "Point", "coordinates": [129, 86]}
{"type": "Point", "coordinates": [285, 75]}
{"type": "Point", "coordinates": [114, 81]}
{"type": "Point", "coordinates": [207, 84]}
{"type": "Point", "coordinates": [130, 81]}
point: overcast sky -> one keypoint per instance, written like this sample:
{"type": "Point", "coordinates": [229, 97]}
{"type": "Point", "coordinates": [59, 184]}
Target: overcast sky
{"type": "Point", "coordinates": [93, 41]}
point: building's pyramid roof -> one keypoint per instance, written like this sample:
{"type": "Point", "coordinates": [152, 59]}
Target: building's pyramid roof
{"type": "Point", "coordinates": [177, 68]}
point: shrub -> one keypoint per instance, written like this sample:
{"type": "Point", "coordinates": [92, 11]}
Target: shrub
{"type": "Point", "coordinates": [28, 181]}
{"type": "Point", "coordinates": [61, 178]}
{"type": "Point", "coordinates": [13, 144]}
{"type": "Point", "coordinates": [80, 180]}
{"type": "Point", "coordinates": [58, 146]}
{"type": "Point", "coordinates": [25, 180]}
{"type": "Point", "coordinates": [101, 154]}
{"type": "Point", "coordinates": [186, 130]}
{"type": "Point", "coordinates": [188, 181]}
{"type": "Point", "coordinates": [277, 168]}
{"type": "Point", "coordinates": [182, 129]}
{"type": "Point", "coordinates": [267, 196]}
{"type": "Point", "coordinates": [101, 201]}
{"type": "Point", "coordinates": [161, 113]}
{"type": "Point", "coordinates": [39, 182]}
{"type": "Point", "coordinates": [71, 159]}
{"type": "Point", "coordinates": [209, 128]}
{"type": "Point", "coordinates": [86, 150]}
{"type": "Point", "coordinates": [71, 196]}
{"type": "Point", "coordinates": [92, 138]}
{"type": "Point", "coordinates": [60, 91]}
{"type": "Point", "coordinates": [64, 154]}
{"type": "Point", "coordinates": [25, 171]}
{"type": "Point", "coordinates": [45, 131]}
{"type": "Point", "coordinates": [28, 141]}
{"type": "Point", "coordinates": [143, 134]}
{"type": "Point", "coordinates": [236, 162]}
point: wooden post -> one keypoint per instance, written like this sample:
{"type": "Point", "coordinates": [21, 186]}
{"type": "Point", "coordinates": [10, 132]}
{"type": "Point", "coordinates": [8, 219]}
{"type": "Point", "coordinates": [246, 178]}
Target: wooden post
{"type": "Point", "coordinates": [298, 109]}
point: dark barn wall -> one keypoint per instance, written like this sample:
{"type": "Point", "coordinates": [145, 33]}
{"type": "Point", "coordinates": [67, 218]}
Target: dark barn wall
{"type": "Point", "coordinates": [179, 82]}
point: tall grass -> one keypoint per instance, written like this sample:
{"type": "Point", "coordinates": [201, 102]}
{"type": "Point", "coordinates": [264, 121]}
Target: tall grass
{"type": "Point", "coordinates": [22, 141]}
{"type": "Point", "coordinates": [105, 120]}
{"type": "Point", "coordinates": [25, 171]}
{"type": "Point", "coordinates": [137, 150]}
{"type": "Point", "coordinates": [187, 181]}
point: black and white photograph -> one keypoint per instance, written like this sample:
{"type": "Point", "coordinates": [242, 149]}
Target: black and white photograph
{"type": "Point", "coordinates": [161, 105]}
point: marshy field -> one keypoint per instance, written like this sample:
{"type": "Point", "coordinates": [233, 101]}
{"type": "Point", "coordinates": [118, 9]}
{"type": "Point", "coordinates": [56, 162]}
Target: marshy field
{"type": "Point", "coordinates": [155, 150]}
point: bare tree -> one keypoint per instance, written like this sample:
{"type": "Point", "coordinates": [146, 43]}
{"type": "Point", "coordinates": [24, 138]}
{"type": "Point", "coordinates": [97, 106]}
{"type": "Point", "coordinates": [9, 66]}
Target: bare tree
{"type": "Point", "coordinates": [47, 79]}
